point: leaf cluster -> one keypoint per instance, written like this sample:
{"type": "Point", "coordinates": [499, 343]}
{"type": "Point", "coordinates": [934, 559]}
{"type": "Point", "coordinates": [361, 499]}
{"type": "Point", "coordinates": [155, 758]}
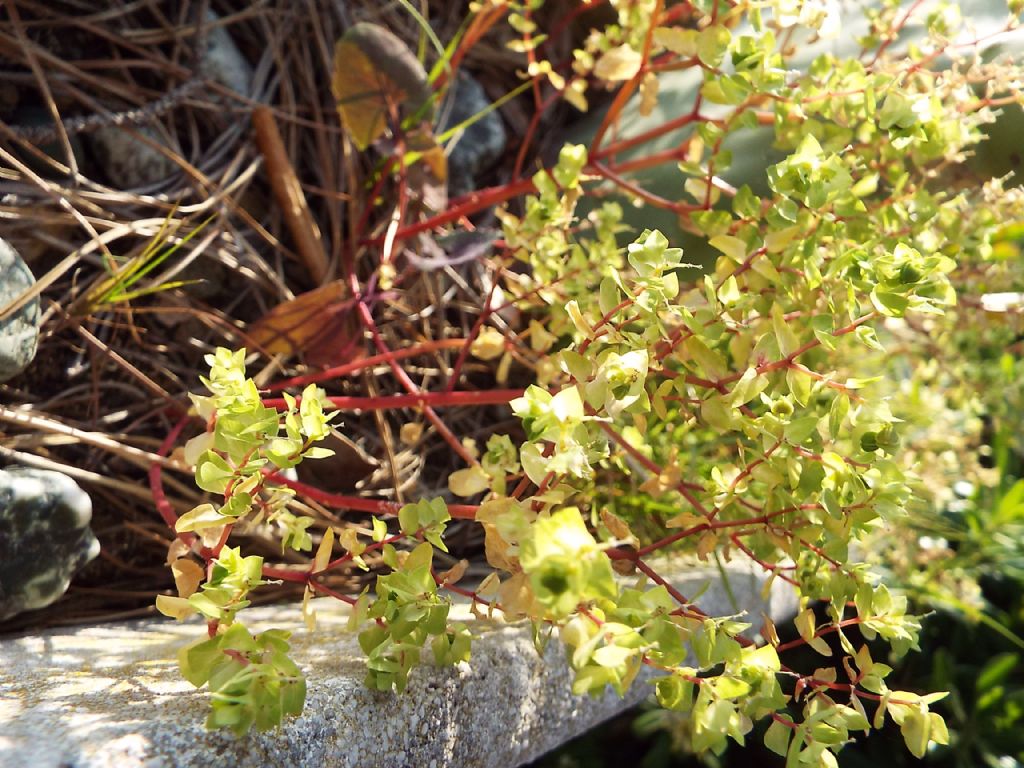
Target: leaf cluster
{"type": "Point", "coordinates": [749, 406]}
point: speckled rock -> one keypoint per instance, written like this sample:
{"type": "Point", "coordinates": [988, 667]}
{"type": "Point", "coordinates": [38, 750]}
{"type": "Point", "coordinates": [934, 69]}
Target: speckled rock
{"type": "Point", "coordinates": [19, 333]}
{"type": "Point", "coordinates": [480, 144]}
{"type": "Point", "coordinates": [128, 162]}
{"type": "Point", "coordinates": [222, 61]}
{"type": "Point", "coordinates": [111, 695]}
{"type": "Point", "coordinates": [44, 537]}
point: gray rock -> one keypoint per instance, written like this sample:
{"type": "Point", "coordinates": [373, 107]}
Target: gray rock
{"type": "Point", "coordinates": [480, 144]}
{"type": "Point", "coordinates": [112, 694]}
{"type": "Point", "coordinates": [19, 333]}
{"type": "Point", "coordinates": [129, 162]}
{"type": "Point", "coordinates": [44, 537]}
{"type": "Point", "coordinates": [222, 61]}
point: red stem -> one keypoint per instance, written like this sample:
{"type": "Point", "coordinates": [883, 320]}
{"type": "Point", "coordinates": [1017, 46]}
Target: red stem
{"type": "Point", "coordinates": [479, 27]}
{"type": "Point", "coordinates": [465, 206]}
{"type": "Point", "coordinates": [770, 567]}
{"type": "Point", "coordinates": [416, 400]}
{"type": "Point", "coordinates": [424, 348]}
{"type": "Point", "coordinates": [316, 585]}
{"type": "Point", "coordinates": [627, 89]}
{"type": "Point", "coordinates": [473, 333]}
{"type": "Point", "coordinates": [360, 504]}
{"type": "Point", "coordinates": [156, 485]}
{"type": "Point", "coordinates": [403, 377]}
{"type": "Point", "coordinates": [642, 138]}
{"type": "Point", "coordinates": [643, 194]}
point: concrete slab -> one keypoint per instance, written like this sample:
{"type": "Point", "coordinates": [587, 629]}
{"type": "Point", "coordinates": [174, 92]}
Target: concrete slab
{"type": "Point", "coordinates": [111, 695]}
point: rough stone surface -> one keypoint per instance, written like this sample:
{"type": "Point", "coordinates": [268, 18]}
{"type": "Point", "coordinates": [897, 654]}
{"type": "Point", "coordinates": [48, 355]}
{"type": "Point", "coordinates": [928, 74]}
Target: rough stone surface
{"type": "Point", "coordinates": [19, 333]}
{"type": "Point", "coordinates": [44, 538]}
{"type": "Point", "coordinates": [222, 61]}
{"type": "Point", "coordinates": [130, 163]}
{"type": "Point", "coordinates": [111, 695]}
{"type": "Point", "coordinates": [127, 161]}
{"type": "Point", "coordinates": [480, 144]}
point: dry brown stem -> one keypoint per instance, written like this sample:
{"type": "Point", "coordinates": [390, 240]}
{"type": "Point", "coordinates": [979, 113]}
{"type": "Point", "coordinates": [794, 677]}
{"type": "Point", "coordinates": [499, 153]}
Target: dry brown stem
{"type": "Point", "coordinates": [289, 195]}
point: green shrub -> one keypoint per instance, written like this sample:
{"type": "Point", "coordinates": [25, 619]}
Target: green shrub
{"type": "Point", "coordinates": [742, 414]}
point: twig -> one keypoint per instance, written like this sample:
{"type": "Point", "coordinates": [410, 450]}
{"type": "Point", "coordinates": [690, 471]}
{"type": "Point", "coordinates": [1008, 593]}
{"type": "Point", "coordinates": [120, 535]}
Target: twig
{"type": "Point", "coordinates": [39, 462]}
{"type": "Point", "coordinates": [97, 439]}
{"type": "Point", "coordinates": [289, 195]}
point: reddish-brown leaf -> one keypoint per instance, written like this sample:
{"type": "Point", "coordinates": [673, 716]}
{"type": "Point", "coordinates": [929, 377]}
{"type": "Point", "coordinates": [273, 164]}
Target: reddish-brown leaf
{"type": "Point", "coordinates": [322, 326]}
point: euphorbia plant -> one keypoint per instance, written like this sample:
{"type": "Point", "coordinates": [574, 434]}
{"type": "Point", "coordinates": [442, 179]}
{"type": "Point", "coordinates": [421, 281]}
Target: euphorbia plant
{"type": "Point", "coordinates": [730, 415]}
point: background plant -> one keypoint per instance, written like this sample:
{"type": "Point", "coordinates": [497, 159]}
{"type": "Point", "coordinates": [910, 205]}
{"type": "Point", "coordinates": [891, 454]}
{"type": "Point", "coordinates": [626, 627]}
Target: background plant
{"type": "Point", "coordinates": [956, 549]}
{"type": "Point", "coordinates": [760, 354]}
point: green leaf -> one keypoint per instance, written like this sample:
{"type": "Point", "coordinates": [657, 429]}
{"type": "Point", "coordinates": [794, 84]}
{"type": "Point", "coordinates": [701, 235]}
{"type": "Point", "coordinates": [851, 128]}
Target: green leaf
{"type": "Point", "coordinates": [777, 240]}
{"type": "Point", "coordinates": [712, 364]}
{"type": "Point", "coordinates": [213, 473]}
{"type": "Point", "coordinates": [750, 385]}
{"type": "Point", "coordinates": [799, 385]}
{"type": "Point", "coordinates": [564, 563]}
{"type": "Point", "coordinates": [800, 429]}
{"type": "Point", "coordinates": [203, 603]}
{"type": "Point", "coordinates": [777, 737]}
{"type": "Point", "coordinates": [674, 693]}
{"type": "Point", "coordinates": [535, 464]}
{"type": "Point", "coordinates": [717, 414]}
{"type": "Point", "coordinates": [317, 452]}
{"type": "Point", "coordinates": [578, 366]}
{"type": "Point", "coordinates": [678, 40]}
{"type": "Point", "coordinates": [995, 671]}
{"type": "Point", "coordinates": [199, 518]}
{"type": "Point", "coordinates": [915, 729]}
{"type": "Point", "coordinates": [730, 687]}
{"type": "Point", "coordinates": [196, 660]}
{"type": "Point", "coordinates": [567, 406]}
{"type": "Point", "coordinates": [889, 303]}
{"type": "Point", "coordinates": [613, 655]}
{"type": "Point", "coordinates": [788, 341]}
{"type": "Point", "coordinates": [712, 44]}
{"type": "Point", "coordinates": [837, 414]}
{"type": "Point", "coordinates": [421, 556]}
{"type": "Point", "coordinates": [733, 247]}
{"type": "Point", "coordinates": [609, 296]}
{"type": "Point", "coordinates": [409, 519]}
{"type": "Point", "coordinates": [729, 294]}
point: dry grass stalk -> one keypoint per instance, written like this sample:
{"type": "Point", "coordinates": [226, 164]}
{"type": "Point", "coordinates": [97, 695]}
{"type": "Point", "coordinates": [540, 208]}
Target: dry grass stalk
{"type": "Point", "coordinates": [110, 379]}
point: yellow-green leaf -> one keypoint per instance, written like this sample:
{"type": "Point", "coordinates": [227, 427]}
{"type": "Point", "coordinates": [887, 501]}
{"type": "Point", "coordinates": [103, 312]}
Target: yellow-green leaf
{"type": "Point", "coordinates": [175, 607]}
{"type": "Point", "coordinates": [375, 76]}
{"type": "Point", "coordinates": [788, 341]}
{"type": "Point", "coordinates": [469, 481]}
{"type": "Point", "coordinates": [678, 40]}
{"type": "Point", "coordinates": [619, 63]}
{"type": "Point", "coordinates": [323, 552]}
{"type": "Point", "coordinates": [733, 247]}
